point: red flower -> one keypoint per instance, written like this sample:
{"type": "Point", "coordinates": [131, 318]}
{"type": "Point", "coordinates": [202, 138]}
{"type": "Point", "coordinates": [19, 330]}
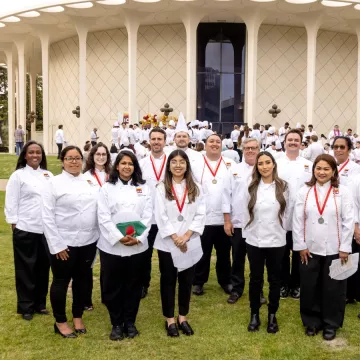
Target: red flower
{"type": "Point", "coordinates": [130, 230]}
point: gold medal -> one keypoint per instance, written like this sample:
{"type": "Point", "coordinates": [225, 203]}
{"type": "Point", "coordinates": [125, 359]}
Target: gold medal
{"type": "Point", "coordinates": [214, 181]}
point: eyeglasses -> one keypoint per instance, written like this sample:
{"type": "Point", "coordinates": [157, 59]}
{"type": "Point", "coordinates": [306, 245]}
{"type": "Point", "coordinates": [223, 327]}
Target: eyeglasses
{"type": "Point", "coordinates": [101, 155]}
{"type": "Point", "coordinates": [250, 148]}
{"type": "Point", "coordinates": [341, 147]}
{"type": "Point", "coordinates": [73, 159]}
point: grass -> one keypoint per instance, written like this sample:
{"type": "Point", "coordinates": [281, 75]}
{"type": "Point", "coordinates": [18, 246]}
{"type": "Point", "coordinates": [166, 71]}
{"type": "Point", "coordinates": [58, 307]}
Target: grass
{"type": "Point", "coordinates": [220, 328]}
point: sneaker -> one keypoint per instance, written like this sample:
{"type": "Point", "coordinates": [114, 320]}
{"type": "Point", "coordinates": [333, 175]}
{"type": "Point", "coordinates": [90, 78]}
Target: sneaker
{"type": "Point", "coordinates": [284, 292]}
{"type": "Point", "coordinates": [295, 293]}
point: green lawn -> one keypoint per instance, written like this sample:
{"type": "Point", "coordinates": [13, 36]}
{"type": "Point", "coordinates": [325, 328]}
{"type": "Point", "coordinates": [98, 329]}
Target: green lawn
{"type": "Point", "coordinates": [220, 329]}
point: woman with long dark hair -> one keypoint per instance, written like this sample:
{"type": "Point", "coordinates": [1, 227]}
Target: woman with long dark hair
{"type": "Point", "coordinates": [323, 228]}
{"type": "Point", "coordinates": [23, 201]}
{"type": "Point", "coordinates": [125, 198]}
{"type": "Point", "coordinates": [71, 230]}
{"type": "Point", "coordinates": [180, 214]}
{"type": "Point", "coordinates": [265, 236]}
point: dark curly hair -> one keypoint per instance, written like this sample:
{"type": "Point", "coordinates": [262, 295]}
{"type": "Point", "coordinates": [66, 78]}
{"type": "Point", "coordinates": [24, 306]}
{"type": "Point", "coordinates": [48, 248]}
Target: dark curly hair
{"type": "Point", "coordinates": [90, 163]}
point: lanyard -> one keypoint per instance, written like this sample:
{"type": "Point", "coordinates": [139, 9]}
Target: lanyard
{"type": "Point", "coordinates": [317, 200]}
{"type": "Point", "coordinates": [342, 167]}
{"type": "Point", "coordinates": [211, 170]}
{"type": "Point", "coordinates": [180, 207]}
{"type": "Point", "coordinates": [98, 180]}
{"type": "Point", "coordinates": [158, 176]}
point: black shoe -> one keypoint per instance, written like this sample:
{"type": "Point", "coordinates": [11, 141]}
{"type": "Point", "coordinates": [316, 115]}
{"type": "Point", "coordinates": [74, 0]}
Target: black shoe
{"type": "Point", "coordinates": [144, 292]}
{"type": "Point", "coordinates": [27, 317]}
{"type": "Point", "coordinates": [311, 331]}
{"type": "Point", "coordinates": [185, 328]}
{"type": "Point", "coordinates": [117, 333]}
{"type": "Point", "coordinates": [351, 301]}
{"type": "Point", "coordinates": [284, 292]}
{"type": "Point", "coordinates": [233, 298]}
{"type": "Point", "coordinates": [263, 300]}
{"type": "Point", "coordinates": [131, 331]}
{"type": "Point", "coordinates": [66, 336]}
{"type": "Point", "coordinates": [198, 290]}
{"type": "Point", "coordinates": [295, 293]}
{"type": "Point", "coordinates": [43, 312]}
{"type": "Point", "coordinates": [89, 308]}
{"type": "Point", "coordinates": [329, 334]}
{"type": "Point", "coordinates": [273, 326]}
{"type": "Point", "coordinates": [80, 331]}
{"type": "Point", "coordinates": [171, 329]}
{"type": "Point", "coordinates": [227, 288]}
{"type": "Point", "coordinates": [254, 323]}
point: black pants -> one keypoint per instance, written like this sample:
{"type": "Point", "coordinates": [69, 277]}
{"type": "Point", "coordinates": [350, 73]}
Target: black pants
{"type": "Point", "coordinates": [168, 276]}
{"type": "Point", "coordinates": [122, 282]}
{"type": "Point", "coordinates": [214, 235]}
{"type": "Point", "coordinates": [89, 283]}
{"type": "Point", "coordinates": [32, 265]}
{"type": "Point", "coordinates": [290, 276]}
{"type": "Point", "coordinates": [322, 299]}
{"type": "Point", "coordinates": [353, 282]}
{"type": "Point", "coordinates": [148, 255]}
{"type": "Point", "coordinates": [238, 248]}
{"type": "Point", "coordinates": [235, 145]}
{"type": "Point", "coordinates": [60, 146]}
{"type": "Point", "coordinates": [258, 257]}
{"type": "Point", "coordinates": [76, 267]}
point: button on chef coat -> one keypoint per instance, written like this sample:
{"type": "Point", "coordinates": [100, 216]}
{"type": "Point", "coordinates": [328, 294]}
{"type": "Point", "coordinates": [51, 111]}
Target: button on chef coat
{"type": "Point", "coordinates": [123, 203]}
{"type": "Point", "coordinates": [23, 198]}
{"type": "Point", "coordinates": [322, 239]}
{"type": "Point", "coordinates": [295, 173]}
{"type": "Point", "coordinates": [70, 211]}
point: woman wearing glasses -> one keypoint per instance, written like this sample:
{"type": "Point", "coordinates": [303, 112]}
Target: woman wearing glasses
{"type": "Point", "coordinates": [265, 236]}
{"type": "Point", "coordinates": [71, 230]}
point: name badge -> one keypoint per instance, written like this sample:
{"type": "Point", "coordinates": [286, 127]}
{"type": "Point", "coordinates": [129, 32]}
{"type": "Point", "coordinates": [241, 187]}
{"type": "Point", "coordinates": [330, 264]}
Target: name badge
{"type": "Point", "coordinates": [139, 190]}
{"type": "Point", "coordinates": [90, 183]}
{"type": "Point", "coordinates": [46, 176]}
{"type": "Point", "coordinates": [306, 168]}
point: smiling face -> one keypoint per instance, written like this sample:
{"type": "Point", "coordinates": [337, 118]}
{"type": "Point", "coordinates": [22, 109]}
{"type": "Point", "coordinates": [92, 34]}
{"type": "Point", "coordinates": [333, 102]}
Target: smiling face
{"type": "Point", "coordinates": [72, 162]}
{"type": "Point", "coordinates": [323, 172]}
{"type": "Point", "coordinates": [265, 166]}
{"type": "Point", "coordinates": [341, 150]}
{"type": "Point", "coordinates": [182, 140]}
{"type": "Point", "coordinates": [157, 142]}
{"type": "Point", "coordinates": [125, 168]}
{"type": "Point", "coordinates": [33, 156]}
{"type": "Point", "coordinates": [292, 143]}
{"type": "Point", "coordinates": [178, 166]}
{"type": "Point", "coordinates": [213, 146]}
{"type": "Point", "coordinates": [251, 149]}
{"type": "Point", "coordinates": [100, 157]}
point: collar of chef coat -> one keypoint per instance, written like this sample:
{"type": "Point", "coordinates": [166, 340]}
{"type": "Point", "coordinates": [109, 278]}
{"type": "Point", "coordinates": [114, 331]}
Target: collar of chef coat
{"type": "Point", "coordinates": [29, 168]}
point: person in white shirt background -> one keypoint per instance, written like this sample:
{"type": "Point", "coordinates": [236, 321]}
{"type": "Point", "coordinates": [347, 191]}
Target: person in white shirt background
{"type": "Point", "coordinates": [295, 170]}
{"type": "Point", "coordinates": [265, 224]}
{"type": "Point", "coordinates": [255, 133]}
{"type": "Point", "coordinates": [170, 132]}
{"type": "Point", "coordinates": [71, 229]}
{"type": "Point", "coordinates": [93, 137]}
{"type": "Point", "coordinates": [137, 133]}
{"type": "Point", "coordinates": [356, 152]}
{"type": "Point", "coordinates": [180, 213]}
{"type": "Point", "coordinates": [230, 152]}
{"type": "Point", "coordinates": [235, 135]}
{"type": "Point", "coordinates": [115, 135]}
{"type": "Point", "coordinates": [278, 152]}
{"type": "Point", "coordinates": [59, 139]}
{"type": "Point", "coordinates": [211, 172]}
{"type": "Point", "coordinates": [323, 228]}
{"type": "Point", "coordinates": [334, 133]}
{"type": "Point", "coordinates": [310, 131]}
{"type": "Point", "coordinates": [123, 136]}
{"type": "Point", "coordinates": [113, 153]}
{"type": "Point", "coordinates": [271, 136]}
{"type": "Point", "coordinates": [23, 202]}
{"type": "Point", "coordinates": [153, 170]}
{"type": "Point", "coordinates": [282, 131]}
{"type": "Point", "coordinates": [314, 149]}
{"type": "Point", "coordinates": [124, 198]}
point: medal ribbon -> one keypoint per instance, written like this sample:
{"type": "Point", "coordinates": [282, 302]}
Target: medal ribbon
{"type": "Point", "coordinates": [161, 169]}
{"type": "Point", "coordinates": [98, 180]}
{"type": "Point", "coordinates": [317, 200]}
{"type": "Point", "coordinates": [342, 167]}
{"type": "Point", "coordinates": [217, 166]}
{"type": "Point", "coordinates": [180, 207]}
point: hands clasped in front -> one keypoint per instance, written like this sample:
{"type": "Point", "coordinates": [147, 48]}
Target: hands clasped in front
{"type": "Point", "coordinates": [129, 240]}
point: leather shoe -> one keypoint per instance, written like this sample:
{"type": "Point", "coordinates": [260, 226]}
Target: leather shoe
{"type": "Point", "coordinates": [263, 300]}
{"type": "Point", "coordinates": [233, 298]}
{"type": "Point", "coordinates": [66, 336]}
{"type": "Point", "coordinates": [198, 290]}
{"type": "Point", "coordinates": [171, 329]}
{"type": "Point", "coordinates": [144, 292]}
{"type": "Point", "coordinates": [254, 323]}
{"type": "Point", "coordinates": [131, 331]}
{"type": "Point", "coordinates": [117, 333]}
{"type": "Point", "coordinates": [295, 293]}
{"type": "Point", "coordinates": [284, 292]}
{"type": "Point", "coordinates": [27, 316]}
{"type": "Point", "coordinates": [329, 334]}
{"type": "Point", "coordinates": [81, 331]}
{"type": "Point", "coordinates": [227, 288]}
{"type": "Point", "coordinates": [273, 326]}
{"type": "Point", "coordinates": [185, 328]}
{"type": "Point", "coordinates": [311, 331]}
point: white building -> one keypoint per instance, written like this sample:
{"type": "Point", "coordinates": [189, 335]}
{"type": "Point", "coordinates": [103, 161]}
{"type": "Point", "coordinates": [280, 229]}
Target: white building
{"type": "Point", "coordinates": [134, 55]}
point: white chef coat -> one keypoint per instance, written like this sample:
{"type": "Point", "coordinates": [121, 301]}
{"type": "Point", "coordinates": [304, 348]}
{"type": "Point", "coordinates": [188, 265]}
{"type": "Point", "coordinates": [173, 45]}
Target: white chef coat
{"type": "Point", "coordinates": [235, 136]}
{"type": "Point", "coordinates": [347, 172]}
{"type": "Point", "coordinates": [322, 239]}
{"type": "Point", "coordinates": [132, 136]}
{"type": "Point", "coordinates": [149, 175]}
{"type": "Point", "coordinates": [23, 198]}
{"type": "Point", "coordinates": [278, 154]}
{"type": "Point", "coordinates": [270, 139]}
{"type": "Point", "coordinates": [70, 211]}
{"type": "Point", "coordinates": [332, 135]}
{"type": "Point", "coordinates": [115, 135]}
{"type": "Point", "coordinates": [138, 134]}
{"type": "Point", "coordinates": [235, 193]}
{"type": "Point", "coordinates": [123, 203]}
{"type": "Point", "coordinates": [169, 135]}
{"type": "Point", "coordinates": [256, 134]}
{"type": "Point", "coordinates": [282, 132]}
{"type": "Point", "coordinates": [102, 176]}
{"type": "Point", "coordinates": [356, 153]}
{"type": "Point", "coordinates": [266, 231]}
{"type": "Point", "coordinates": [195, 136]}
{"type": "Point", "coordinates": [313, 151]}
{"type": "Point", "coordinates": [59, 136]}
{"type": "Point", "coordinates": [213, 192]}
{"type": "Point", "coordinates": [231, 154]}
{"type": "Point", "coordinates": [145, 133]}
{"type": "Point", "coordinates": [167, 212]}
{"type": "Point", "coordinates": [310, 133]}
{"type": "Point", "coordinates": [124, 136]}
{"type": "Point", "coordinates": [263, 138]}
{"type": "Point", "coordinates": [195, 157]}
{"type": "Point", "coordinates": [296, 173]}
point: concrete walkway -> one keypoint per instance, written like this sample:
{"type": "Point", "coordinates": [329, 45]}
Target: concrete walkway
{"type": "Point", "coordinates": [3, 183]}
